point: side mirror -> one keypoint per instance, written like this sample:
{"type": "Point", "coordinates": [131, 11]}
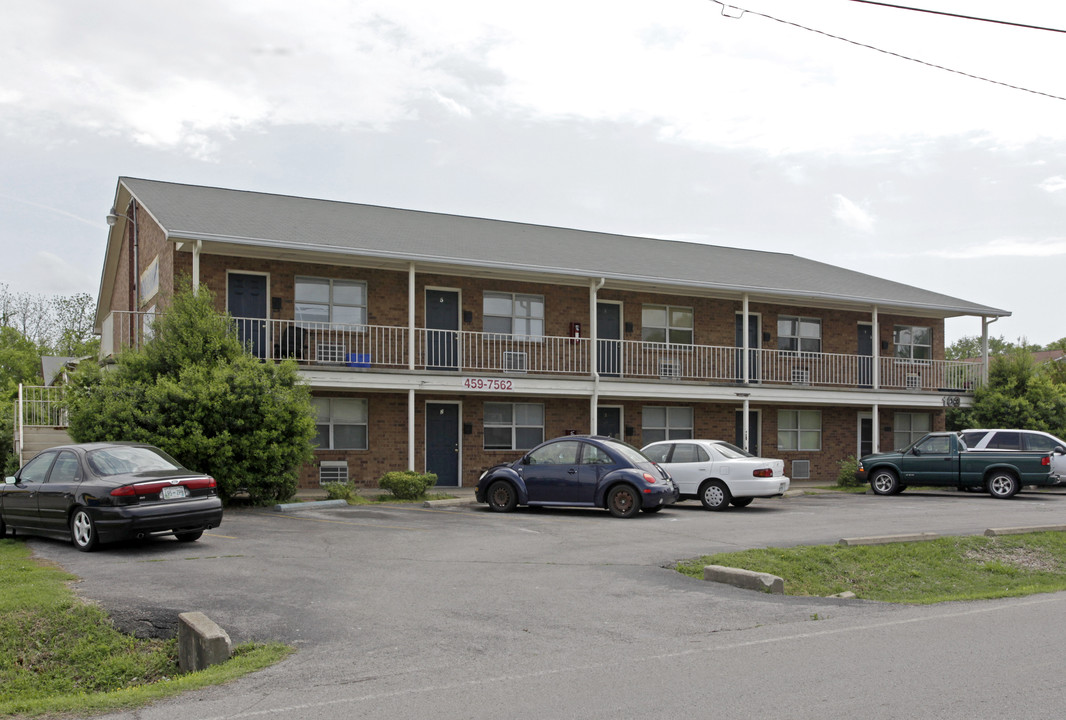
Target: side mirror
{"type": "Point", "coordinates": [916, 452]}
{"type": "Point", "coordinates": [525, 459]}
{"type": "Point", "coordinates": [1059, 450]}
{"type": "Point", "coordinates": [10, 480]}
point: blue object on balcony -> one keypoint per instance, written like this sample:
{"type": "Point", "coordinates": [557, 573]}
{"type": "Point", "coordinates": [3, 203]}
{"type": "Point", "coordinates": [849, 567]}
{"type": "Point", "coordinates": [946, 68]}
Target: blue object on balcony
{"type": "Point", "coordinates": [358, 360]}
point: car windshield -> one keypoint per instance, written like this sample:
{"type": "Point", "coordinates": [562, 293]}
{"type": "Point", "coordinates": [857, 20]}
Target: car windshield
{"type": "Point", "coordinates": [731, 451]}
{"type": "Point", "coordinates": [121, 460]}
{"type": "Point", "coordinates": [626, 450]}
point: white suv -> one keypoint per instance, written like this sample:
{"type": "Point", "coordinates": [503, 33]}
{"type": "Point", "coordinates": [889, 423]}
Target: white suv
{"type": "Point", "coordinates": [1032, 440]}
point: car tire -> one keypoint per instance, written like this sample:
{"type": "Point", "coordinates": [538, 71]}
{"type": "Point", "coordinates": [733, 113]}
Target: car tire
{"type": "Point", "coordinates": [190, 536]}
{"type": "Point", "coordinates": [741, 502]}
{"type": "Point", "coordinates": [885, 482]}
{"type": "Point", "coordinates": [83, 531]}
{"type": "Point", "coordinates": [1002, 485]}
{"type": "Point", "coordinates": [501, 496]}
{"type": "Point", "coordinates": [3, 529]}
{"type": "Point", "coordinates": [623, 501]}
{"type": "Point", "coordinates": [715, 495]}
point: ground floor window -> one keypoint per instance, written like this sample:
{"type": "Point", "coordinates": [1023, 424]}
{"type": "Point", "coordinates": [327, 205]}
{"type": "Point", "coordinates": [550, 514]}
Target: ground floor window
{"type": "Point", "coordinates": [910, 427]}
{"type": "Point", "coordinates": [799, 429]}
{"type": "Point", "coordinates": [513, 426]}
{"type": "Point", "coordinates": [341, 423]}
{"type": "Point", "coordinates": [666, 423]}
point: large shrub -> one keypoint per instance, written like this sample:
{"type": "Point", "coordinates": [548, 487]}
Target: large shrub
{"type": "Point", "coordinates": [407, 484]}
{"type": "Point", "coordinates": [196, 393]}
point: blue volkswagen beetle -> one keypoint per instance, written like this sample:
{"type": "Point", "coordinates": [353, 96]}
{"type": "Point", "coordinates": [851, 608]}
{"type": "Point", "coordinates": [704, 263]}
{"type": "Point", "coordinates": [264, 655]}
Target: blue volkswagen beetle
{"type": "Point", "coordinates": [579, 471]}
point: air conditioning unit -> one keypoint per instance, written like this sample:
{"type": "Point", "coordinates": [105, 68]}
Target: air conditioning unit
{"type": "Point", "coordinates": [515, 362]}
{"type": "Point", "coordinates": [333, 471]}
{"type": "Point", "coordinates": [330, 352]}
{"type": "Point", "coordinates": [914, 381]}
{"type": "Point", "coordinates": [669, 369]}
{"type": "Point", "coordinates": [801, 376]}
{"type": "Point", "coordinates": [801, 469]}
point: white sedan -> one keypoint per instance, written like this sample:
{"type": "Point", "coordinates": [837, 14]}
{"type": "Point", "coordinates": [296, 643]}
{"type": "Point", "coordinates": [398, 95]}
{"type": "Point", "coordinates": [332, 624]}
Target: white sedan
{"type": "Point", "coordinates": [718, 473]}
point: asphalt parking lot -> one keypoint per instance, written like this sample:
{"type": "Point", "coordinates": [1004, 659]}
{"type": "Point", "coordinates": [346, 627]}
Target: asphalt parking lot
{"type": "Point", "coordinates": [404, 611]}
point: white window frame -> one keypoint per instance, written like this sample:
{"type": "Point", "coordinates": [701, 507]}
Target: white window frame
{"type": "Point", "coordinates": [534, 322]}
{"type": "Point", "coordinates": [796, 342]}
{"type": "Point", "coordinates": [908, 434]}
{"type": "Point", "coordinates": [669, 328]}
{"type": "Point", "coordinates": [332, 421]}
{"type": "Point", "coordinates": [330, 304]}
{"type": "Point", "coordinates": [905, 350]}
{"type": "Point", "coordinates": [513, 425]}
{"type": "Point", "coordinates": [791, 439]}
{"type": "Point", "coordinates": [676, 425]}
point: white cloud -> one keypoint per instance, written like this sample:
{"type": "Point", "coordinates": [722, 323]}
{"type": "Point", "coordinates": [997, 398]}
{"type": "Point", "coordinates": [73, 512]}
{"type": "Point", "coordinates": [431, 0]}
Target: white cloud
{"type": "Point", "coordinates": [1006, 248]}
{"type": "Point", "coordinates": [852, 216]}
{"type": "Point", "coordinates": [1053, 184]}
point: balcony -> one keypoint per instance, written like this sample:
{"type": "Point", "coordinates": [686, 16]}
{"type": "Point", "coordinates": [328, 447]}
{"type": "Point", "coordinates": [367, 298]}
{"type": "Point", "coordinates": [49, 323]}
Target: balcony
{"type": "Point", "coordinates": [366, 347]}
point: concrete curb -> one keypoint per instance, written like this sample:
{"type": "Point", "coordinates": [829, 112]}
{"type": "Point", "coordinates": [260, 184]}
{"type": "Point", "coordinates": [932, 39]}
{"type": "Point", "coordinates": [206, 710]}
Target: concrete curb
{"type": "Point", "coordinates": [449, 502]}
{"type": "Point", "coordinates": [746, 579]}
{"type": "Point", "coordinates": [313, 505]}
{"type": "Point", "coordinates": [993, 532]}
{"type": "Point", "coordinates": [885, 539]}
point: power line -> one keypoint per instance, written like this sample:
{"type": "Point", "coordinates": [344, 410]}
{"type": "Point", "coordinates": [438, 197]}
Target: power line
{"type": "Point", "coordinates": [726, 8]}
{"type": "Point", "coordinates": [963, 17]}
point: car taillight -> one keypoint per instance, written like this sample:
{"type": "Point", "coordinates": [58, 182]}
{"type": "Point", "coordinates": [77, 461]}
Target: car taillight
{"type": "Point", "coordinates": [1046, 460]}
{"type": "Point", "coordinates": [153, 488]}
{"type": "Point", "coordinates": [763, 472]}
{"type": "Point", "coordinates": [650, 478]}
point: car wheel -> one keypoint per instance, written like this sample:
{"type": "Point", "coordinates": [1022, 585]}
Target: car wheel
{"type": "Point", "coordinates": [623, 501]}
{"type": "Point", "coordinates": [191, 536]}
{"type": "Point", "coordinates": [83, 531]}
{"type": "Point", "coordinates": [885, 482]}
{"type": "Point", "coordinates": [741, 502]}
{"type": "Point", "coordinates": [3, 529]}
{"type": "Point", "coordinates": [655, 509]}
{"type": "Point", "coordinates": [1002, 485]}
{"type": "Point", "coordinates": [501, 496]}
{"type": "Point", "coordinates": [715, 495]}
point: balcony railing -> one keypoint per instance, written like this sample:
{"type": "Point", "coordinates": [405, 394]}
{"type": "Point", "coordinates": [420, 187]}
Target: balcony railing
{"type": "Point", "coordinates": [385, 347]}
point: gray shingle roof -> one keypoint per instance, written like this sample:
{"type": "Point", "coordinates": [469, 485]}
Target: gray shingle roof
{"type": "Point", "coordinates": [295, 223]}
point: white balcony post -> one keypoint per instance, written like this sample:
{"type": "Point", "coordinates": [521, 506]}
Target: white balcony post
{"type": "Point", "coordinates": [594, 401]}
{"type": "Point", "coordinates": [411, 320]}
{"type": "Point", "coordinates": [876, 431]}
{"type": "Point", "coordinates": [197, 246]}
{"type": "Point", "coordinates": [876, 360]}
{"type": "Point", "coordinates": [744, 344]}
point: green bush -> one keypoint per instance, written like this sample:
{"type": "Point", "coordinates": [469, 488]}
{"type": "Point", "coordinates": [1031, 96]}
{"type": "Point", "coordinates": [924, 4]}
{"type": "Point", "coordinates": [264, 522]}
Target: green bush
{"type": "Point", "coordinates": [407, 484]}
{"type": "Point", "coordinates": [846, 476]}
{"type": "Point", "coordinates": [341, 491]}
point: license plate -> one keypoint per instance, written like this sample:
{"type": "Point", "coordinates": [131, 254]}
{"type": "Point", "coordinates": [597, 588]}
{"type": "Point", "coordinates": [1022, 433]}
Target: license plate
{"type": "Point", "coordinates": [173, 493]}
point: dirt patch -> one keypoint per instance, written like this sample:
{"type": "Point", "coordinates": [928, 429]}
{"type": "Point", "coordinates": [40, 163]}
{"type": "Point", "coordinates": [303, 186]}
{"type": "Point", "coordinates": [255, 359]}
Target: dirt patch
{"type": "Point", "coordinates": [1022, 558]}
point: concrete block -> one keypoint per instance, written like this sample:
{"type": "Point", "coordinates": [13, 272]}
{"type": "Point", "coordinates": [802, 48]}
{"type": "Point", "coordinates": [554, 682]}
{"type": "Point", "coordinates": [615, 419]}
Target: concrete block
{"type": "Point", "coordinates": [201, 642]}
{"type": "Point", "coordinates": [747, 579]}
{"type": "Point", "coordinates": [993, 532]}
{"type": "Point", "coordinates": [885, 539]}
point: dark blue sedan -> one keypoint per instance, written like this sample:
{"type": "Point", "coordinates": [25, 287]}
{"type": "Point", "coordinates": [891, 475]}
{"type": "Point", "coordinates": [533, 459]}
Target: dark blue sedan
{"type": "Point", "coordinates": [579, 471]}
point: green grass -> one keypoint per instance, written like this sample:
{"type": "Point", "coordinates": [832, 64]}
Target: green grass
{"type": "Point", "coordinates": [61, 655]}
{"type": "Point", "coordinates": [958, 568]}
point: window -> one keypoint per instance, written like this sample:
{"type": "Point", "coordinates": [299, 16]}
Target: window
{"type": "Point", "coordinates": [799, 429]}
{"type": "Point", "coordinates": [689, 453]}
{"type": "Point", "coordinates": [65, 470]}
{"type": "Point", "coordinates": [513, 426]}
{"type": "Point", "coordinates": [37, 469]}
{"type": "Point", "coordinates": [936, 445]}
{"type": "Point", "coordinates": [666, 423]}
{"type": "Point", "coordinates": [592, 455]}
{"type": "Point", "coordinates": [341, 423]}
{"type": "Point", "coordinates": [321, 300]}
{"type": "Point", "coordinates": [1042, 443]}
{"type": "Point", "coordinates": [666, 324]}
{"type": "Point", "coordinates": [511, 314]}
{"type": "Point", "coordinates": [913, 343]}
{"type": "Point", "coordinates": [799, 334]}
{"type": "Point", "coordinates": [1005, 441]}
{"type": "Point", "coordinates": [911, 427]}
{"type": "Point", "coordinates": [563, 452]}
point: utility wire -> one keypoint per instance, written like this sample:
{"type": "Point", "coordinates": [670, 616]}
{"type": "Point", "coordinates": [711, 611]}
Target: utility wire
{"type": "Point", "coordinates": [726, 8]}
{"type": "Point", "coordinates": [963, 17]}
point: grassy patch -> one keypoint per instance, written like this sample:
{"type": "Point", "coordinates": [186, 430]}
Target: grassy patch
{"type": "Point", "coordinates": [962, 568]}
{"type": "Point", "coordinates": [61, 655]}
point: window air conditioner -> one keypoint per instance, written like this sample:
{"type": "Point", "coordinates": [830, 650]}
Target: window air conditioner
{"type": "Point", "coordinates": [333, 471]}
{"type": "Point", "coordinates": [801, 469]}
{"type": "Point", "coordinates": [669, 369]}
{"type": "Point", "coordinates": [516, 362]}
{"type": "Point", "coordinates": [801, 376]}
{"type": "Point", "coordinates": [330, 352]}
{"type": "Point", "coordinates": [914, 381]}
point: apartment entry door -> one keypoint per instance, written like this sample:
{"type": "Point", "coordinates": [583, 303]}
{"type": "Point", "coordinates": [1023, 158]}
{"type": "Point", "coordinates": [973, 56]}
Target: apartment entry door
{"type": "Point", "coordinates": [246, 299]}
{"type": "Point", "coordinates": [442, 442]}
{"type": "Point", "coordinates": [442, 329]}
{"type": "Point", "coordinates": [754, 333]}
{"type": "Point", "coordinates": [865, 343]}
{"type": "Point", "coordinates": [609, 422]}
{"type": "Point", "coordinates": [608, 339]}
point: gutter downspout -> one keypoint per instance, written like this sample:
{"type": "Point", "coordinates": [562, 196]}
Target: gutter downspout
{"type": "Point", "coordinates": [594, 288]}
{"type": "Point", "coordinates": [985, 322]}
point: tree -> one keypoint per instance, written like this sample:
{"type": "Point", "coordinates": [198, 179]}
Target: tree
{"type": "Point", "coordinates": [1019, 394]}
{"type": "Point", "coordinates": [969, 347]}
{"type": "Point", "coordinates": [195, 392]}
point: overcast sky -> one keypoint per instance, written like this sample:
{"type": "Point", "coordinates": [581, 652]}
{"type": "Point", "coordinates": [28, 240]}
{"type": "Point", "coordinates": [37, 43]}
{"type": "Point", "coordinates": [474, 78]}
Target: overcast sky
{"type": "Point", "coordinates": [675, 119]}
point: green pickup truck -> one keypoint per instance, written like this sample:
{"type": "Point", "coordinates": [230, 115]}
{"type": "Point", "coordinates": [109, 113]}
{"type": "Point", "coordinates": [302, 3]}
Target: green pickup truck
{"type": "Point", "coordinates": [942, 459]}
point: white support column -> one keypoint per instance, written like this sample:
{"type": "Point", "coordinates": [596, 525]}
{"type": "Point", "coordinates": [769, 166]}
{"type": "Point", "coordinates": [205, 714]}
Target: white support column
{"type": "Point", "coordinates": [19, 422]}
{"type": "Point", "coordinates": [746, 421]}
{"type": "Point", "coordinates": [594, 401]}
{"type": "Point", "coordinates": [876, 358]}
{"type": "Point", "coordinates": [985, 322]}
{"type": "Point", "coordinates": [197, 246]}
{"type": "Point", "coordinates": [411, 430]}
{"type": "Point", "coordinates": [744, 344]}
{"type": "Point", "coordinates": [876, 434]}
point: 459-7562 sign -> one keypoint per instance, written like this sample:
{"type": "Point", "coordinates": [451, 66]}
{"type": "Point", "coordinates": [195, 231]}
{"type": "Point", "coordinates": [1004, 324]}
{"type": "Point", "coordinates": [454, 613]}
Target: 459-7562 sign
{"type": "Point", "coordinates": [491, 384]}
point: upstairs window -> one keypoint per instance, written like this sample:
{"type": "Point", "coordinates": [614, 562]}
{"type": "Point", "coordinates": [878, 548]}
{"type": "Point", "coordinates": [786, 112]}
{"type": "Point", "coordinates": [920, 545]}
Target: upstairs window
{"type": "Point", "coordinates": [799, 334]}
{"type": "Point", "coordinates": [321, 300]}
{"type": "Point", "coordinates": [521, 316]}
{"type": "Point", "coordinates": [913, 343]}
{"type": "Point", "coordinates": [910, 427]}
{"type": "Point", "coordinates": [667, 324]}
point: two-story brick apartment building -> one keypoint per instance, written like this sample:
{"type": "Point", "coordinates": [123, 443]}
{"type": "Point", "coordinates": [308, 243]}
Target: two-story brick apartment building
{"type": "Point", "coordinates": [449, 343]}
